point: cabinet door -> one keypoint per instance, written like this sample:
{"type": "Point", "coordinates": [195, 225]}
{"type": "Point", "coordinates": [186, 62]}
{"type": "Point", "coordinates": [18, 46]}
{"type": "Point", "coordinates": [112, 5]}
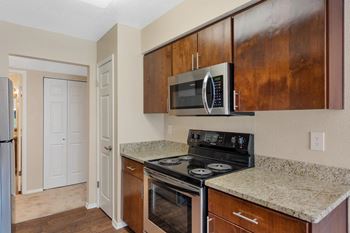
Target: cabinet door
{"type": "Point", "coordinates": [279, 55]}
{"type": "Point", "coordinates": [184, 54]}
{"type": "Point", "coordinates": [157, 69]}
{"type": "Point", "coordinates": [133, 202]}
{"type": "Point", "coordinates": [219, 225]}
{"type": "Point", "coordinates": [215, 44]}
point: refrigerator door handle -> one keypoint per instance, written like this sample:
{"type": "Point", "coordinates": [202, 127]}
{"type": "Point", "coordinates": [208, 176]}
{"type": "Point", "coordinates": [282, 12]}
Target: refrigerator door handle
{"type": "Point", "coordinates": [7, 141]}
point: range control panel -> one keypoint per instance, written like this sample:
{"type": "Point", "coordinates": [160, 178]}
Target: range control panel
{"type": "Point", "coordinates": [227, 140]}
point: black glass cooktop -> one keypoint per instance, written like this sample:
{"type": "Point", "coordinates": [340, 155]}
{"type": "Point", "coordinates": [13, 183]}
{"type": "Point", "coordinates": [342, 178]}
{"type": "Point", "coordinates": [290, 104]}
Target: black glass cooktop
{"type": "Point", "coordinates": [193, 169]}
{"type": "Point", "coordinates": [210, 154]}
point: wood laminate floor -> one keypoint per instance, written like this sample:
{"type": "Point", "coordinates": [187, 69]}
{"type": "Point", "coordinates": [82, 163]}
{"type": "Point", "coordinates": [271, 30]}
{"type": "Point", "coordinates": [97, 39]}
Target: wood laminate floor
{"type": "Point", "coordinates": [78, 220]}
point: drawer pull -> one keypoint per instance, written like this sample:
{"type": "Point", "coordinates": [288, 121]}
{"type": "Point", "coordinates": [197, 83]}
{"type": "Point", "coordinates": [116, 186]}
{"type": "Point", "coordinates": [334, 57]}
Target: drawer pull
{"type": "Point", "coordinates": [239, 214]}
{"type": "Point", "coordinates": [131, 168]}
{"type": "Point", "coordinates": [208, 223]}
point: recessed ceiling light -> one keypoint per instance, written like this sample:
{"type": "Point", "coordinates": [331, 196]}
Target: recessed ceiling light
{"type": "Point", "coordinates": [98, 3]}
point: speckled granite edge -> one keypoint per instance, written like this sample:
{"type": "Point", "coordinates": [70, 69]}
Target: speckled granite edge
{"type": "Point", "coordinates": [320, 172]}
{"type": "Point", "coordinates": [144, 151]}
{"type": "Point", "coordinates": [152, 146]}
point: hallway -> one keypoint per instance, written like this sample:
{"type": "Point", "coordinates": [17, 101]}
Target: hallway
{"type": "Point", "coordinates": [48, 202]}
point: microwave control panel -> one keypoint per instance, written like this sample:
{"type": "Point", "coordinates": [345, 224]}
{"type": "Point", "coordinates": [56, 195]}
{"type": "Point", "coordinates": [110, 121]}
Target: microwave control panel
{"type": "Point", "coordinates": [219, 91]}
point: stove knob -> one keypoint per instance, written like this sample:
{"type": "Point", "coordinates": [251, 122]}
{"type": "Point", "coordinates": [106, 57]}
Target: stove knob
{"type": "Point", "coordinates": [233, 141]}
{"type": "Point", "coordinates": [196, 136]}
{"type": "Point", "coordinates": [241, 142]}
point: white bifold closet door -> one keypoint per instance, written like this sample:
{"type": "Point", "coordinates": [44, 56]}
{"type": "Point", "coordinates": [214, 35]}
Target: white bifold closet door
{"type": "Point", "coordinates": [65, 133]}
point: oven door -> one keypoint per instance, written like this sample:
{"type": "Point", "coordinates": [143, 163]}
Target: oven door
{"type": "Point", "coordinates": [169, 206]}
{"type": "Point", "coordinates": [201, 92]}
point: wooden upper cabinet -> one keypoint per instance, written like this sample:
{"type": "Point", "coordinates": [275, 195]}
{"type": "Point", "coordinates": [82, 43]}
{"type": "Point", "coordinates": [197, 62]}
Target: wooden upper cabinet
{"type": "Point", "coordinates": [210, 46]}
{"type": "Point", "coordinates": [157, 69]}
{"type": "Point", "coordinates": [285, 60]}
{"type": "Point", "coordinates": [184, 54]}
{"type": "Point", "coordinates": [215, 44]}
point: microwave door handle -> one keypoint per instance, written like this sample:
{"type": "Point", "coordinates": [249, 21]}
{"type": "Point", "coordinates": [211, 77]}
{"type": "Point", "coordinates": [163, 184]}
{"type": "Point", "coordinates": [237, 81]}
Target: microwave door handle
{"type": "Point", "coordinates": [204, 92]}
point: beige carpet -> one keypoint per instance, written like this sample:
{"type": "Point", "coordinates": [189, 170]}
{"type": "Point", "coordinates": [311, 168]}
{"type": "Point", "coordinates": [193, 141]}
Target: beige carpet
{"type": "Point", "coordinates": [52, 201]}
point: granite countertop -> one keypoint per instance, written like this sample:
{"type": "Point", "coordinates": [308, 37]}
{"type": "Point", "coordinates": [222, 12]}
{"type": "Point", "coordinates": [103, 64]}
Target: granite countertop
{"type": "Point", "coordinates": [143, 151]}
{"type": "Point", "coordinates": [303, 197]}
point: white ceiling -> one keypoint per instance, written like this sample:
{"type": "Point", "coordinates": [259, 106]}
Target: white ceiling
{"type": "Point", "coordinates": [48, 66]}
{"type": "Point", "coordinates": [80, 19]}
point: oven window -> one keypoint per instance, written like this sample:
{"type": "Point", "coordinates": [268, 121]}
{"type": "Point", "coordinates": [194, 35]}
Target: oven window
{"type": "Point", "coordinates": [169, 210]}
{"type": "Point", "coordinates": [186, 95]}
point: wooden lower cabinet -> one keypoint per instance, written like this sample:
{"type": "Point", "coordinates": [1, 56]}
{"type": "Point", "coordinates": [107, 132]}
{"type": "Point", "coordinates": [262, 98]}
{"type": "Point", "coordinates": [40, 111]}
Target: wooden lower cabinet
{"type": "Point", "coordinates": [237, 215]}
{"type": "Point", "coordinates": [132, 194]}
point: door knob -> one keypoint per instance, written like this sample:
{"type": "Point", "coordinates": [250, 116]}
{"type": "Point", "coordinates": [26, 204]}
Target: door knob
{"type": "Point", "coordinates": [109, 148]}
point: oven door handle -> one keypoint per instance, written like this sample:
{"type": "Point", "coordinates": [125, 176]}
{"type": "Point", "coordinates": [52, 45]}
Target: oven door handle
{"type": "Point", "coordinates": [176, 185]}
{"type": "Point", "coordinates": [185, 192]}
{"type": "Point", "coordinates": [208, 108]}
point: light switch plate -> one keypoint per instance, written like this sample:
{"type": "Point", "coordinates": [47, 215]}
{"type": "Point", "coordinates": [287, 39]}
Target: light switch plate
{"type": "Point", "coordinates": [317, 141]}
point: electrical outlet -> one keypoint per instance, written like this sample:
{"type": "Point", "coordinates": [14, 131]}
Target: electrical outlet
{"type": "Point", "coordinates": [317, 141]}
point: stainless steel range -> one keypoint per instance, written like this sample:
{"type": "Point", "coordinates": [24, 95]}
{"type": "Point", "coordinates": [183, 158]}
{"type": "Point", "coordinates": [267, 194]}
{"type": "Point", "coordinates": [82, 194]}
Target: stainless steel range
{"type": "Point", "coordinates": [175, 197]}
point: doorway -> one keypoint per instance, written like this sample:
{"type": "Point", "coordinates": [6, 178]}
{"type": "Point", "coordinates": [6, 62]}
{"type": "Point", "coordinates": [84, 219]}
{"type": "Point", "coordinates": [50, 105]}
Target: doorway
{"type": "Point", "coordinates": [36, 200]}
{"type": "Point", "coordinates": [18, 79]}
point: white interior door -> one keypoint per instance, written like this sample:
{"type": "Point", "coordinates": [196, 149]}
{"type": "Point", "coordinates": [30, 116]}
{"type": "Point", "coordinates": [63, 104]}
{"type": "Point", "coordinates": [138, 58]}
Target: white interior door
{"type": "Point", "coordinates": [55, 133]}
{"type": "Point", "coordinates": [105, 137]}
{"type": "Point", "coordinates": [77, 132]}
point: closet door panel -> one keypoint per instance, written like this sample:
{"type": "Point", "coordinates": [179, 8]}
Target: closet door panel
{"type": "Point", "coordinates": [55, 133]}
{"type": "Point", "coordinates": [77, 132]}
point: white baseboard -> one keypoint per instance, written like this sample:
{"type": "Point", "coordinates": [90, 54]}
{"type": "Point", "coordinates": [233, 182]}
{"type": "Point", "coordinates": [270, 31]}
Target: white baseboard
{"type": "Point", "coordinates": [118, 225]}
{"type": "Point", "coordinates": [90, 205]}
{"type": "Point", "coordinates": [32, 191]}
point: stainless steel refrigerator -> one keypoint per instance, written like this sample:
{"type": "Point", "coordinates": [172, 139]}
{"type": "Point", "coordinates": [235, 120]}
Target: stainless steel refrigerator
{"type": "Point", "coordinates": [6, 152]}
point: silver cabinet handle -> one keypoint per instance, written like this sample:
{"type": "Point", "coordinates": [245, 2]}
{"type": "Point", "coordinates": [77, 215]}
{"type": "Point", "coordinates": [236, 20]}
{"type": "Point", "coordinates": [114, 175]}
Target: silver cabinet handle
{"type": "Point", "coordinates": [239, 214]}
{"type": "Point", "coordinates": [208, 223]}
{"type": "Point", "coordinates": [192, 61]}
{"type": "Point", "coordinates": [108, 148]}
{"type": "Point", "coordinates": [197, 60]}
{"type": "Point", "coordinates": [235, 94]}
{"type": "Point", "coordinates": [131, 168]}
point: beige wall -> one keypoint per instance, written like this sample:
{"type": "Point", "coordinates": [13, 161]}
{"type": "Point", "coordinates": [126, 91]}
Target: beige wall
{"type": "Point", "coordinates": [35, 129]}
{"type": "Point", "coordinates": [131, 124]}
{"type": "Point", "coordinates": [282, 134]}
{"type": "Point", "coordinates": [20, 40]}
{"type": "Point", "coordinates": [187, 16]}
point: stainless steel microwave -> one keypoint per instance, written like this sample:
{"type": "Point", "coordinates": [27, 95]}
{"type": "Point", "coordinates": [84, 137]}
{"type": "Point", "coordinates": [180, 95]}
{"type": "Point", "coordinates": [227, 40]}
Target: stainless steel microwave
{"type": "Point", "coordinates": [206, 91]}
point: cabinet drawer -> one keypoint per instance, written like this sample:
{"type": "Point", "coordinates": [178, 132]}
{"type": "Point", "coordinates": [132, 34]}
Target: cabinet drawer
{"type": "Point", "coordinates": [133, 168]}
{"type": "Point", "coordinates": [219, 225]}
{"type": "Point", "coordinates": [252, 217]}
